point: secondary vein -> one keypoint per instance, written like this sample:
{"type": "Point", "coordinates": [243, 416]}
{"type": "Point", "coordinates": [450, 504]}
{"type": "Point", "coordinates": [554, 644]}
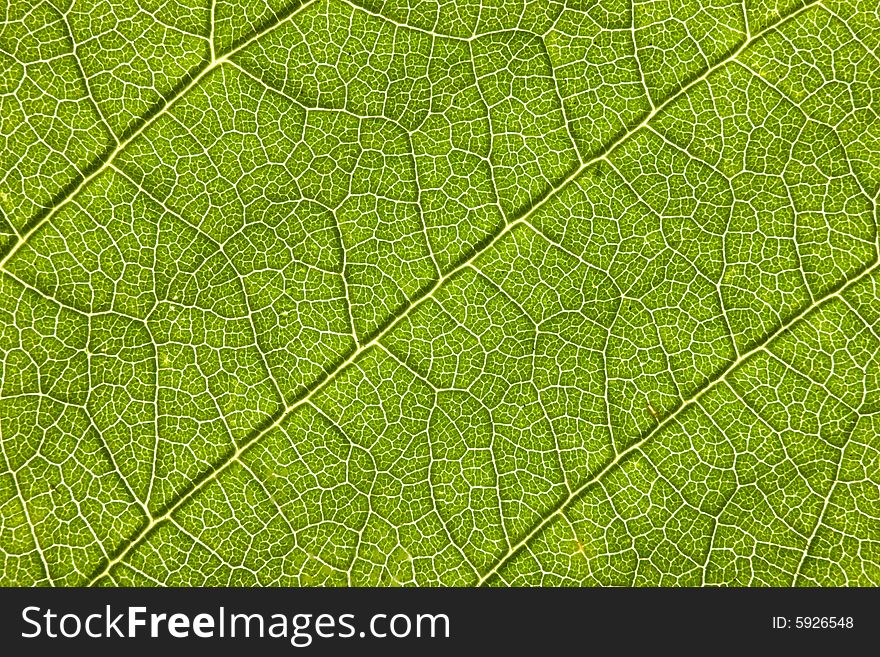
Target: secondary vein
{"type": "Point", "coordinates": [429, 294]}
{"type": "Point", "coordinates": [200, 75]}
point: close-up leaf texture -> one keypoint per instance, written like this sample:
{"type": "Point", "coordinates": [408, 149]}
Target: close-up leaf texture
{"type": "Point", "coordinates": [439, 292]}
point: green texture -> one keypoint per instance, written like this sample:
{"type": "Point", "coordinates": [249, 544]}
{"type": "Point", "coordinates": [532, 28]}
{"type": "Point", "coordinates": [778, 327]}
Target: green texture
{"type": "Point", "coordinates": [439, 292]}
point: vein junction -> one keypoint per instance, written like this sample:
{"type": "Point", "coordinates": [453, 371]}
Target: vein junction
{"type": "Point", "coordinates": [527, 295]}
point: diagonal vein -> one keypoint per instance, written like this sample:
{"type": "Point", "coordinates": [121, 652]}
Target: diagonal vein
{"type": "Point", "coordinates": [200, 75]}
{"type": "Point", "coordinates": [671, 418]}
{"type": "Point", "coordinates": [330, 376]}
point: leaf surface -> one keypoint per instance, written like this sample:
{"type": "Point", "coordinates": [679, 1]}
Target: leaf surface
{"type": "Point", "coordinates": [439, 293]}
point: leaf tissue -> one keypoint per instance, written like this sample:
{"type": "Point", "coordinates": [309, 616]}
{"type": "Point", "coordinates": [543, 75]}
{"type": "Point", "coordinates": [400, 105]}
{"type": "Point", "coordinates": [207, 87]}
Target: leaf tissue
{"type": "Point", "coordinates": [439, 292]}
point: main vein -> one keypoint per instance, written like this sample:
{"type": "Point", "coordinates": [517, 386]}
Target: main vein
{"type": "Point", "coordinates": [331, 375]}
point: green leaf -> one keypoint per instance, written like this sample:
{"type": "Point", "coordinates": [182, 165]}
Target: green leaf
{"type": "Point", "coordinates": [393, 292]}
